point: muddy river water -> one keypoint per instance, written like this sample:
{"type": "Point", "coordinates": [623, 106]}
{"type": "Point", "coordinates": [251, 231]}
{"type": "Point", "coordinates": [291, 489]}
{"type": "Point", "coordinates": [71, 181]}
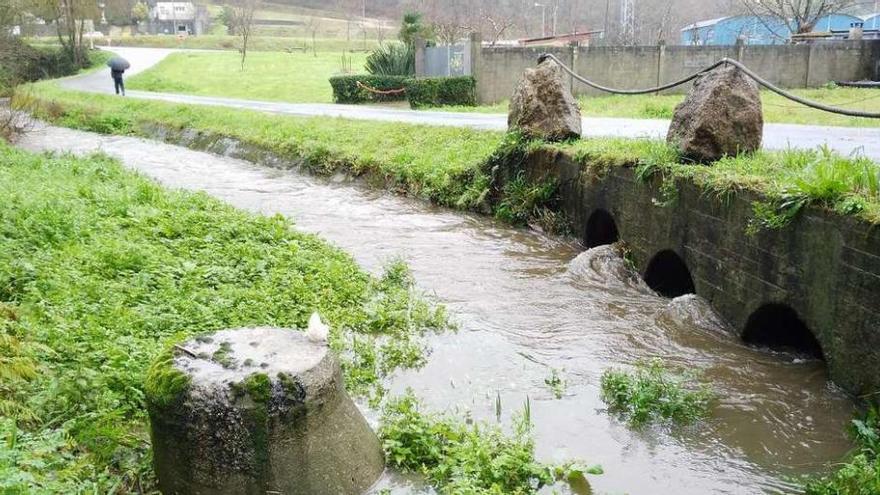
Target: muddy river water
{"type": "Point", "coordinates": [527, 304]}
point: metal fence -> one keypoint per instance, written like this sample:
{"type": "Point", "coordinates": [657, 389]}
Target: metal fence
{"type": "Point", "coordinates": [450, 60]}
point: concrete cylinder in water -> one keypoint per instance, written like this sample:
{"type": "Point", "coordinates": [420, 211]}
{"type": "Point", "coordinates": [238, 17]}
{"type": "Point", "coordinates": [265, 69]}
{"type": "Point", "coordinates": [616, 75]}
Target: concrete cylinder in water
{"type": "Point", "coordinates": [255, 411]}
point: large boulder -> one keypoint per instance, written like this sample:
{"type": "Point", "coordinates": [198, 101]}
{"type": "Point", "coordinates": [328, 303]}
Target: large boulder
{"type": "Point", "coordinates": [542, 105]}
{"type": "Point", "coordinates": [721, 116]}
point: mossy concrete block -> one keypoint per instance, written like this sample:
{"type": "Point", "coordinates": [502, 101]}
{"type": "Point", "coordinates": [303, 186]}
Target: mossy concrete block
{"type": "Point", "coordinates": [263, 410]}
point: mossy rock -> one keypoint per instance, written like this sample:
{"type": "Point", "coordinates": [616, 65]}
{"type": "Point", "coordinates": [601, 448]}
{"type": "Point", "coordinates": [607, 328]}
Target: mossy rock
{"type": "Point", "coordinates": [257, 410]}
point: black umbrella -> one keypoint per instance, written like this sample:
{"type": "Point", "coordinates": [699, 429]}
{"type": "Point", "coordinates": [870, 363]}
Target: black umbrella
{"type": "Point", "coordinates": [118, 64]}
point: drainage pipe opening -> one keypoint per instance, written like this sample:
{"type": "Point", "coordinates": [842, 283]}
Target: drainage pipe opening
{"type": "Point", "coordinates": [778, 327]}
{"type": "Point", "coordinates": [601, 229]}
{"type": "Point", "coordinates": [668, 275]}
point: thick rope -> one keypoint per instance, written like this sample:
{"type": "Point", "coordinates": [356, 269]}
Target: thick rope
{"type": "Point", "coordinates": [725, 61]}
{"type": "Point", "coordinates": [380, 91]}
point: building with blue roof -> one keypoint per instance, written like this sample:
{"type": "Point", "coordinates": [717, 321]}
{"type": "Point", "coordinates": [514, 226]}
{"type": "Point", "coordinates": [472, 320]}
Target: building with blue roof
{"type": "Point", "coordinates": [761, 30]}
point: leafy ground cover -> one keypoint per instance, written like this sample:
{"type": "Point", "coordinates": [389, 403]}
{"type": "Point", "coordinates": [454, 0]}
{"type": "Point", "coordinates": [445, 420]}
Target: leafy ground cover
{"type": "Point", "coordinates": [860, 474]}
{"type": "Point", "coordinates": [776, 108]}
{"type": "Point", "coordinates": [651, 392]}
{"type": "Point", "coordinates": [293, 77]}
{"type": "Point", "coordinates": [101, 268]}
{"type": "Point", "coordinates": [453, 455]}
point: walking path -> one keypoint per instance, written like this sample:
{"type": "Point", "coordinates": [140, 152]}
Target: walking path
{"type": "Point", "coordinates": [845, 140]}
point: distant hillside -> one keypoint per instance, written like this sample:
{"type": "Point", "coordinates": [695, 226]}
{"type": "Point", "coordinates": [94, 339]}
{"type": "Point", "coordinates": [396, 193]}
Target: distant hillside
{"type": "Point", "coordinates": [654, 20]}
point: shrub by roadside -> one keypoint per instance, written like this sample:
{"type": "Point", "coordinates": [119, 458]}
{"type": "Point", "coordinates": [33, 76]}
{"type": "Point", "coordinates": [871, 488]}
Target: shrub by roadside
{"type": "Point", "coordinates": [365, 88]}
{"type": "Point", "coordinates": [441, 91]}
{"type": "Point", "coordinates": [421, 92]}
{"type": "Point", "coordinates": [21, 63]}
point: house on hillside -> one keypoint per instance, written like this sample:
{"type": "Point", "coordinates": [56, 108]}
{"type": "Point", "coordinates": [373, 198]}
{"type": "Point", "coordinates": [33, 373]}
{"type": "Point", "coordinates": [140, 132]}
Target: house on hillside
{"type": "Point", "coordinates": [756, 30]}
{"type": "Point", "coordinates": [177, 18]}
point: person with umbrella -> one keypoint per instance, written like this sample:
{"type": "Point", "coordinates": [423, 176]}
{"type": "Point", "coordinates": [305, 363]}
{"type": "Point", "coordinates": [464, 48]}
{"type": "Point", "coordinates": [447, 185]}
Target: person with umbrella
{"type": "Point", "coordinates": [118, 66]}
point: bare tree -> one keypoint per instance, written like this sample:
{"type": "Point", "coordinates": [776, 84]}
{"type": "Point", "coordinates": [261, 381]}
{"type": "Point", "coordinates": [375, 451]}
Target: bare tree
{"type": "Point", "coordinates": [800, 15]}
{"type": "Point", "coordinates": [497, 24]}
{"type": "Point", "coordinates": [240, 15]}
{"type": "Point", "coordinates": [70, 18]}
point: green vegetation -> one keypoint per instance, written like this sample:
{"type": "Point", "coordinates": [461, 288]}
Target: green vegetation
{"type": "Point", "coordinates": [363, 88]}
{"type": "Point", "coordinates": [438, 164]}
{"type": "Point", "coordinates": [776, 108]}
{"type": "Point", "coordinates": [273, 76]}
{"type": "Point", "coordinates": [555, 383]}
{"type": "Point", "coordinates": [452, 166]}
{"type": "Point", "coordinates": [473, 459]}
{"type": "Point", "coordinates": [392, 58]}
{"type": "Point", "coordinates": [21, 63]}
{"type": "Point", "coordinates": [441, 91]}
{"type": "Point", "coordinates": [861, 474]}
{"type": "Point", "coordinates": [651, 392]}
{"type": "Point", "coordinates": [102, 270]}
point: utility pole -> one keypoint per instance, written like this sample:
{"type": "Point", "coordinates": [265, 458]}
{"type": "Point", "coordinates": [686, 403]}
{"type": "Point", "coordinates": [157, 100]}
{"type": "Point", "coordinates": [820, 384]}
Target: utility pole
{"type": "Point", "coordinates": [543, 19]}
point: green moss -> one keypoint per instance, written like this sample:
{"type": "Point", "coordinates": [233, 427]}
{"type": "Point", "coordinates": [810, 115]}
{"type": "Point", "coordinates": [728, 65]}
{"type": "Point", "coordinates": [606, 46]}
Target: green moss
{"type": "Point", "coordinates": [258, 386]}
{"type": "Point", "coordinates": [164, 384]}
{"type": "Point", "coordinates": [223, 356]}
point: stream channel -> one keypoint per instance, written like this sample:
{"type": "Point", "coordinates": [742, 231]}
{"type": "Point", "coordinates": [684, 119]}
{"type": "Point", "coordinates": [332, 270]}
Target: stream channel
{"type": "Point", "coordinates": [527, 304]}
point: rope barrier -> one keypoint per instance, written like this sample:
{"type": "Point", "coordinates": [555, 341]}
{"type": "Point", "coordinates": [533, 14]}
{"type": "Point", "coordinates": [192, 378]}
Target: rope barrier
{"type": "Point", "coordinates": [725, 61]}
{"type": "Point", "coordinates": [380, 91]}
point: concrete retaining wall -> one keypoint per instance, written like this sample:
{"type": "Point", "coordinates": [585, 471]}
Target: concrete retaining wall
{"type": "Point", "coordinates": [824, 266]}
{"type": "Point", "coordinates": [791, 66]}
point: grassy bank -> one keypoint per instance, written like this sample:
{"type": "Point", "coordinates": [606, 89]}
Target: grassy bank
{"type": "Point", "coordinates": [294, 77]}
{"type": "Point", "coordinates": [776, 108]}
{"type": "Point", "coordinates": [100, 268]}
{"type": "Point", "coordinates": [438, 164]}
{"type": "Point", "coordinates": [450, 166]}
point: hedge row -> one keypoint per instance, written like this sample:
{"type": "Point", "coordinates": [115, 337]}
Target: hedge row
{"type": "Point", "coordinates": [347, 90]}
{"type": "Point", "coordinates": [420, 92]}
{"type": "Point", "coordinates": [441, 91]}
{"type": "Point", "coordinates": [20, 63]}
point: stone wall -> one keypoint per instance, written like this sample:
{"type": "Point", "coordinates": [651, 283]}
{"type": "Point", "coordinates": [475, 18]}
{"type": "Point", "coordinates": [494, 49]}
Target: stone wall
{"type": "Point", "coordinates": [824, 266]}
{"type": "Point", "coordinates": [792, 66]}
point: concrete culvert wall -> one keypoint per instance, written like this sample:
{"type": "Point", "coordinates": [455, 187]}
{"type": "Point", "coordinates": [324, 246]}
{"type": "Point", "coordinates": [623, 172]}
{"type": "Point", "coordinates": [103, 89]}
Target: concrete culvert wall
{"type": "Point", "coordinates": [601, 229]}
{"type": "Point", "coordinates": [668, 274]}
{"type": "Point", "coordinates": [778, 327]}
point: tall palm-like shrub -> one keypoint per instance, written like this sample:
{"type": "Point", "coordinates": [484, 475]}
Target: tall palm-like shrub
{"type": "Point", "coordinates": [392, 59]}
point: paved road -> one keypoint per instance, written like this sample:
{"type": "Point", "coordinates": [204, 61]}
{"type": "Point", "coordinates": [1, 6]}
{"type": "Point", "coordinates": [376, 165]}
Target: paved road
{"type": "Point", "coordinates": [846, 140]}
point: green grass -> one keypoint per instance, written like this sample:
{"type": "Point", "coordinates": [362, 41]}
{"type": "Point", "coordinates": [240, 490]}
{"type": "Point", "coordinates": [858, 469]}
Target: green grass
{"type": "Point", "coordinates": [789, 180]}
{"type": "Point", "coordinates": [653, 393]}
{"type": "Point", "coordinates": [859, 475]}
{"type": "Point", "coordinates": [450, 166]}
{"type": "Point", "coordinates": [277, 76]}
{"type": "Point", "coordinates": [441, 164]}
{"type": "Point", "coordinates": [776, 108]}
{"type": "Point", "coordinates": [478, 459]}
{"type": "Point", "coordinates": [101, 269]}
{"type": "Point", "coordinates": [269, 77]}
